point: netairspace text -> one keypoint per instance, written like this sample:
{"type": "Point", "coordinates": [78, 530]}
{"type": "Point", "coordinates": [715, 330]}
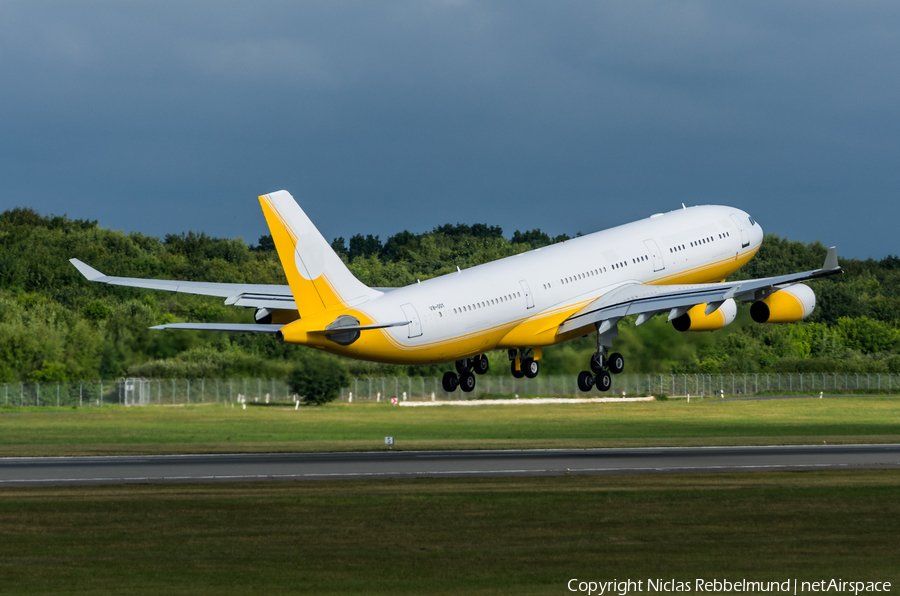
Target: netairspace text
{"type": "Point", "coordinates": [717, 586]}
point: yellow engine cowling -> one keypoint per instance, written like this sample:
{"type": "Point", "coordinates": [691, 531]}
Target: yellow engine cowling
{"type": "Point", "coordinates": [787, 305]}
{"type": "Point", "coordinates": [696, 319]}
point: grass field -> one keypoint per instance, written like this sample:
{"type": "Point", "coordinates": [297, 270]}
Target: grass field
{"type": "Point", "coordinates": [449, 536]}
{"type": "Point", "coordinates": [341, 427]}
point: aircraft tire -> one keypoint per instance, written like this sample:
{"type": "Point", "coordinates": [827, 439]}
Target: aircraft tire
{"type": "Point", "coordinates": [604, 381]}
{"type": "Point", "coordinates": [467, 381]}
{"type": "Point", "coordinates": [531, 368]}
{"type": "Point", "coordinates": [450, 382]}
{"type": "Point", "coordinates": [518, 374]}
{"type": "Point", "coordinates": [585, 381]}
{"type": "Point", "coordinates": [616, 363]}
{"type": "Point", "coordinates": [480, 364]}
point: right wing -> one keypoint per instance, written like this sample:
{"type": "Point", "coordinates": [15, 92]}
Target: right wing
{"type": "Point", "coordinates": [647, 301]}
{"type": "Point", "coordinates": [268, 296]}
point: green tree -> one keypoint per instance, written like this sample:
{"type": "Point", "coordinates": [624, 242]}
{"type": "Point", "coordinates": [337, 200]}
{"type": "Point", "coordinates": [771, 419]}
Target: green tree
{"type": "Point", "coordinates": [318, 378]}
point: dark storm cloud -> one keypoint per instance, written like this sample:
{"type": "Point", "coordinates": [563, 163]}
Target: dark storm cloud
{"type": "Point", "coordinates": [569, 116]}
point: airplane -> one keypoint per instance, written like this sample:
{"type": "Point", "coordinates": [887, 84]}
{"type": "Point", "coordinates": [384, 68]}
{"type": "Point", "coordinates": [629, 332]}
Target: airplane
{"type": "Point", "coordinates": [671, 263]}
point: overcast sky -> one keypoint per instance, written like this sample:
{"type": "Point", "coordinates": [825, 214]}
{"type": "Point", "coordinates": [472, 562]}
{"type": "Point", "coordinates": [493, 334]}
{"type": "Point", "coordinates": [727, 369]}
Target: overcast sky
{"type": "Point", "coordinates": [382, 116]}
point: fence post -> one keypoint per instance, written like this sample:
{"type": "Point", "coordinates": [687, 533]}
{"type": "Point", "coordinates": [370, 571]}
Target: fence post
{"type": "Point", "coordinates": [57, 394]}
{"type": "Point", "coordinates": [80, 393]}
{"type": "Point", "coordinates": [101, 392]}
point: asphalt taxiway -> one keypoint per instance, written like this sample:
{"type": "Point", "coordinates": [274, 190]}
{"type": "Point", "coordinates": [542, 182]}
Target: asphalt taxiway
{"type": "Point", "coordinates": [64, 471]}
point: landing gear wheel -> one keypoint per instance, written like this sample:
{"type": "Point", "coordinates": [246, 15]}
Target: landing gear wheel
{"type": "Point", "coordinates": [616, 363]}
{"type": "Point", "coordinates": [531, 368]}
{"type": "Point", "coordinates": [518, 374]}
{"type": "Point", "coordinates": [480, 364]}
{"type": "Point", "coordinates": [604, 381]}
{"type": "Point", "coordinates": [585, 381]}
{"type": "Point", "coordinates": [598, 362]}
{"type": "Point", "coordinates": [450, 382]}
{"type": "Point", "coordinates": [467, 381]}
{"type": "Point", "coordinates": [464, 365]}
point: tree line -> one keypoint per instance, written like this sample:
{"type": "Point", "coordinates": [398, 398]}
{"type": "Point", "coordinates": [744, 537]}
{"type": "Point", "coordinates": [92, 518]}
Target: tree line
{"type": "Point", "coordinates": [55, 325]}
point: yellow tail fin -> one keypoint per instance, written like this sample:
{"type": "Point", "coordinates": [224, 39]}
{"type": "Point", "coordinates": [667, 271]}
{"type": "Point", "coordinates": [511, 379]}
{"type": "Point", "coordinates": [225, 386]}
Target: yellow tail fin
{"type": "Point", "coordinates": [318, 278]}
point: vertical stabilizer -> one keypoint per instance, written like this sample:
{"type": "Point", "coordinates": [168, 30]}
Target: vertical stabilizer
{"type": "Point", "coordinates": [318, 278]}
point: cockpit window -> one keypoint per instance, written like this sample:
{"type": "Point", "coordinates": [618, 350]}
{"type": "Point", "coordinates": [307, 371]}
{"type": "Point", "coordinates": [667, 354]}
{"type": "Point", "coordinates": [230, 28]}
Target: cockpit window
{"type": "Point", "coordinates": [752, 223]}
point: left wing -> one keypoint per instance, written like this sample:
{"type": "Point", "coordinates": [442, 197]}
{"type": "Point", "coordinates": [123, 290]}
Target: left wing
{"type": "Point", "coordinates": [268, 296]}
{"type": "Point", "coordinates": [647, 301]}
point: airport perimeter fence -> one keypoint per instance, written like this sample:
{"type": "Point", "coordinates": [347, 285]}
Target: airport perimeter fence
{"type": "Point", "coordinates": [132, 392]}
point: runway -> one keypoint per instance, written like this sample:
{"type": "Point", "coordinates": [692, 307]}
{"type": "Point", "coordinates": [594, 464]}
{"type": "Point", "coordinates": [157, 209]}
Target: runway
{"type": "Point", "coordinates": [64, 471]}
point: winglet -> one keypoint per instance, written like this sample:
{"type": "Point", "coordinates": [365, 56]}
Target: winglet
{"type": "Point", "coordinates": [831, 262]}
{"type": "Point", "coordinates": [86, 270]}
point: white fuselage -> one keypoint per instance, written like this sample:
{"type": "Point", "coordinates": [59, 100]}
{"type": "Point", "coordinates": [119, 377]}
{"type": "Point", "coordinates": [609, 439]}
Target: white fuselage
{"type": "Point", "coordinates": [693, 245]}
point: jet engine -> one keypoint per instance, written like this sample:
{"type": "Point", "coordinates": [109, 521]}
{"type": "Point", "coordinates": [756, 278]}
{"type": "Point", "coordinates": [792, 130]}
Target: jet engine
{"type": "Point", "coordinates": [696, 319]}
{"type": "Point", "coordinates": [787, 305]}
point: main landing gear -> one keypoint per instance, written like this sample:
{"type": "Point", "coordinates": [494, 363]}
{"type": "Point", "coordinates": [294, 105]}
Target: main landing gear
{"type": "Point", "coordinates": [523, 364]}
{"type": "Point", "coordinates": [601, 368]}
{"type": "Point", "coordinates": [467, 368]}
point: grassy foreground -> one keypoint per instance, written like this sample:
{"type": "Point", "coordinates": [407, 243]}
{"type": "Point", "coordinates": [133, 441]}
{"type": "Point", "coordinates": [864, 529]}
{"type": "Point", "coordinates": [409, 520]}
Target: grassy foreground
{"type": "Point", "coordinates": [336, 427]}
{"type": "Point", "coordinates": [449, 536]}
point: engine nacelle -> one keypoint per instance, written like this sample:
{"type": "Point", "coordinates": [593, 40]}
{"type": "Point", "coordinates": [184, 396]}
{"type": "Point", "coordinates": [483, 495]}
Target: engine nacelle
{"type": "Point", "coordinates": [696, 319]}
{"type": "Point", "coordinates": [787, 305]}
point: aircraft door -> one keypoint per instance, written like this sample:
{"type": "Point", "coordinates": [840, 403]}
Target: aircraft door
{"type": "Point", "coordinates": [415, 326]}
{"type": "Point", "coordinates": [745, 239]}
{"type": "Point", "coordinates": [655, 255]}
{"type": "Point", "coordinates": [529, 300]}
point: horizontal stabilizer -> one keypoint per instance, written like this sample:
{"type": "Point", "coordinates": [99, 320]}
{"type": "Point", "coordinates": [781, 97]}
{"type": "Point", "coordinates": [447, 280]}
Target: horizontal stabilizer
{"type": "Point", "coordinates": [360, 327]}
{"type": "Point", "coordinates": [235, 327]}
